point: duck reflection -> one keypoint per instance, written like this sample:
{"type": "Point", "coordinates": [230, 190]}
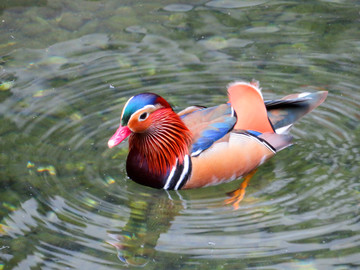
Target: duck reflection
{"type": "Point", "coordinates": [150, 217]}
{"type": "Point", "coordinates": [137, 240]}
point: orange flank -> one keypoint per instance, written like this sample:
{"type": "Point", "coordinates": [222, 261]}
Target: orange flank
{"type": "Point", "coordinates": [222, 161]}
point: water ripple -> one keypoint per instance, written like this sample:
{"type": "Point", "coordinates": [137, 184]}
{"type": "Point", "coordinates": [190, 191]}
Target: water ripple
{"type": "Point", "coordinates": [67, 103]}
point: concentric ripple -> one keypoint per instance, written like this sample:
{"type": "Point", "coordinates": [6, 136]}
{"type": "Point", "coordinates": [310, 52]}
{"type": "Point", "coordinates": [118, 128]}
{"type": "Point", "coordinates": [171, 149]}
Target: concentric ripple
{"type": "Point", "coordinates": [69, 204]}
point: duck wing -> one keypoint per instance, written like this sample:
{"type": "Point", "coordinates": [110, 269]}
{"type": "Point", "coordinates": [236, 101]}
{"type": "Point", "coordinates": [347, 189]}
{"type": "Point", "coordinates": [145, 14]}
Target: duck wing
{"type": "Point", "coordinates": [208, 125]}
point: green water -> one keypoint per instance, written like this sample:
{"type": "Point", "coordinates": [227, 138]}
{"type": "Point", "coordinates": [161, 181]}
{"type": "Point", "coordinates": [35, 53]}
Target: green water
{"type": "Point", "coordinates": [68, 67]}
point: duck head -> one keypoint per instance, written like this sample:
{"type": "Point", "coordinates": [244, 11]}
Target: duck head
{"type": "Point", "coordinates": [136, 116]}
{"type": "Point", "coordinates": [158, 137]}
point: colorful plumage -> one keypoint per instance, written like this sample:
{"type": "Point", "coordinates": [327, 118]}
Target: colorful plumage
{"type": "Point", "coordinates": [206, 146]}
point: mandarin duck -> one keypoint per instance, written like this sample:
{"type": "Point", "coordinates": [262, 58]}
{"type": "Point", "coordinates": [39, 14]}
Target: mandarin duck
{"type": "Point", "coordinates": [200, 146]}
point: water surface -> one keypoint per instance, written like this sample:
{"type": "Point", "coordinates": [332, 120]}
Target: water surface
{"type": "Point", "coordinates": [67, 69]}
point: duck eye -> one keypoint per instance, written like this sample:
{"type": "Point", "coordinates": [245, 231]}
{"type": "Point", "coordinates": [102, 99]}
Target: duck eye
{"type": "Point", "coordinates": [143, 116]}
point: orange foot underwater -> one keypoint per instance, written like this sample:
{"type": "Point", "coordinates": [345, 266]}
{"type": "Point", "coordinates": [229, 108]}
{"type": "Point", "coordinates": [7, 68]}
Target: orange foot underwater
{"type": "Point", "coordinates": [200, 146]}
{"type": "Point", "coordinates": [237, 195]}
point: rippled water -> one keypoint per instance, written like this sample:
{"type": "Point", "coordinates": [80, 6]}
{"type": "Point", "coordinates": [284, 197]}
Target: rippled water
{"type": "Point", "coordinates": [68, 67]}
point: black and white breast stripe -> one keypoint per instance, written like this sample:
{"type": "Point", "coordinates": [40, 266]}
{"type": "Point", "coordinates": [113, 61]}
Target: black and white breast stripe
{"type": "Point", "coordinates": [179, 174]}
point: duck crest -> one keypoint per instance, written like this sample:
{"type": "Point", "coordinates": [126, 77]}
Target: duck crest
{"type": "Point", "coordinates": [163, 145]}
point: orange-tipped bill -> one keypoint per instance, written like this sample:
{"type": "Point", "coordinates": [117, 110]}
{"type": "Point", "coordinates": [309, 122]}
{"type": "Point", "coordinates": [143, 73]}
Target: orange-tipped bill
{"type": "Point", "coordinates": [121, 134]}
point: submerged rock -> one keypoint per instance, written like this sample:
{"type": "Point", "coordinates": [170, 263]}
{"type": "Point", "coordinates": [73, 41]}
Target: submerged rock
{"type": "Point", "coordinates": [71, 21]}
{"type": "Point", "coordinates": [4, 86]}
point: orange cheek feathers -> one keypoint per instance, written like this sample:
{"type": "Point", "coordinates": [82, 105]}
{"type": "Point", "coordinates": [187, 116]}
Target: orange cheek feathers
{"type": "Point", "coordinates": [138, 126]}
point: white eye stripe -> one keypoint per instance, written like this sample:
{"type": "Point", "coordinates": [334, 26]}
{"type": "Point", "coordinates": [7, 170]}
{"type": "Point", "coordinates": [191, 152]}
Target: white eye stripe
{"type": "Point", "coordinates": [145, 107]}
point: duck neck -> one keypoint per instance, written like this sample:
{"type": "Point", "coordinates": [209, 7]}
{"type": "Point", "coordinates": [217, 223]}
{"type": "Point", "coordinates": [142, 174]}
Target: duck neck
{"type": "Point", "coordinates": [161, 146]}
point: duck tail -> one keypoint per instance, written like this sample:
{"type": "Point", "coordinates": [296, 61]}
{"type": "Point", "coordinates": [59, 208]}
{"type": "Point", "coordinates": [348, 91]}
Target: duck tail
{"type": "Point", "coordinates": [286, 111]}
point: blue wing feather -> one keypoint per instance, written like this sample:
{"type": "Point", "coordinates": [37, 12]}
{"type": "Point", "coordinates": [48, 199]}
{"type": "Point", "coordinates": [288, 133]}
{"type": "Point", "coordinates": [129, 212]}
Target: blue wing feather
{"type": "Point", "coordinates": [214, 131]}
